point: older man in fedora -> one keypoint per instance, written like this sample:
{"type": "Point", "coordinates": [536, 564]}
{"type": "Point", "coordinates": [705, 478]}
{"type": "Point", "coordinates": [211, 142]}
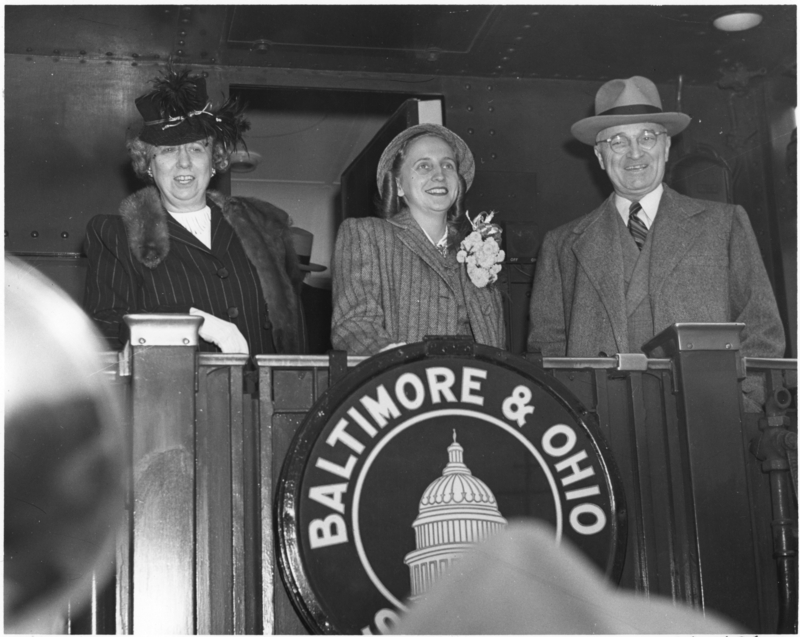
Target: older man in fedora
{"type": "Point", "coordinates": [648, 257]}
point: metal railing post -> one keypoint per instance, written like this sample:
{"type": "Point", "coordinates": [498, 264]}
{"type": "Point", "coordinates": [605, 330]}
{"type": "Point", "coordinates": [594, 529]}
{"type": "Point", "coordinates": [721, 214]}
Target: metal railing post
{"type": "Point", "coordinates": [708, 369]}
{"type": "Point", "coordinates": [163, 451]}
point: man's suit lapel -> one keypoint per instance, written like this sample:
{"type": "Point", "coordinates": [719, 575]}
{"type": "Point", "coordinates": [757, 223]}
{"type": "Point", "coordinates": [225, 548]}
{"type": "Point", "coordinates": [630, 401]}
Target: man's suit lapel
{"type": "Point", "coordinates": [415, 239]}
{"type": "Point", "coordinates": [599, 253]}
{"type": "Point", "coordinates": [674, 232]}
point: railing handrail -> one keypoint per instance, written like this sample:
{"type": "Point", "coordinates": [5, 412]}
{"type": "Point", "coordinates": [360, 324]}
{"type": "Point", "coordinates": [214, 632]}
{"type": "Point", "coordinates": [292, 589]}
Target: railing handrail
{"type": "Point", "coordinates": [754, 363]}
{"type": "Point", "coordinates": [111, 359]}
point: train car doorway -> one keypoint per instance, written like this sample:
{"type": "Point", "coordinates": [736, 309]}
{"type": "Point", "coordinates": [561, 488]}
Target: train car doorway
{"type": "Point", "coordinates": [300, 143]}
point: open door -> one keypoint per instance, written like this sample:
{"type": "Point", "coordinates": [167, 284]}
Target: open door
{"type": "Point", "coordinates": [359, 189]}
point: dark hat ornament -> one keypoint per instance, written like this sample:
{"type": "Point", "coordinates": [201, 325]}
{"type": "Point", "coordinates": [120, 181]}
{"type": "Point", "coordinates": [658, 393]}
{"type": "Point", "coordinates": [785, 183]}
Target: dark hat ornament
{"type": "Point", "coordinates": [178, 111]}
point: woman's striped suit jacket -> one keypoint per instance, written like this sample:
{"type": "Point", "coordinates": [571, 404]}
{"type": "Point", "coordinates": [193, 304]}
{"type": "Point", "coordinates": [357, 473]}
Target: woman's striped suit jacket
{"type": "Point", "coordinates": [391, 285]}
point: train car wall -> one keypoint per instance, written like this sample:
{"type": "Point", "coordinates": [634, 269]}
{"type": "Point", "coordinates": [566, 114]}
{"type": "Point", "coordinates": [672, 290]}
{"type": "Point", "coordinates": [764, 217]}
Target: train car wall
{"type": "Point", "coordinates": [67, 120]}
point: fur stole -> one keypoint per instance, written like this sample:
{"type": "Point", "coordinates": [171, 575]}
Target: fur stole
{"type": "Point", "coordinates": [145, 222]}
{"type": "Point", "coordinates": [262, 230]}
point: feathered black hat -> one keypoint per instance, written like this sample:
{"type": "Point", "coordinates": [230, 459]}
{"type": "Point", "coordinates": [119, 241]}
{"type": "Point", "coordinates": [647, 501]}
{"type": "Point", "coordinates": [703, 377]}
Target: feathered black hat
{"type": "Point", "coordinates": [178, 111]}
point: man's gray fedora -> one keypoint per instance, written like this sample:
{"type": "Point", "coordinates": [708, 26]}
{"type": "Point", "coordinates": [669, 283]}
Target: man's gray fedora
{"type": "Point", "coordinates": [630, 101]}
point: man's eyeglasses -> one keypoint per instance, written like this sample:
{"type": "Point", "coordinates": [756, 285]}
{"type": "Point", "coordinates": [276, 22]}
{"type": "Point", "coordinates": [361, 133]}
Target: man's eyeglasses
{"type": "Point", "coordinates": [620, 144]}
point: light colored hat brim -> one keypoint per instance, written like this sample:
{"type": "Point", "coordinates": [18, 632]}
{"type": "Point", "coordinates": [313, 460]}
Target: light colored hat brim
{"type": "Point", "coordinates": [586, 130]}
{"type": "Point", "coordinates": [464, 158]}
{"type": "Point", "coordinates": [312, 267]}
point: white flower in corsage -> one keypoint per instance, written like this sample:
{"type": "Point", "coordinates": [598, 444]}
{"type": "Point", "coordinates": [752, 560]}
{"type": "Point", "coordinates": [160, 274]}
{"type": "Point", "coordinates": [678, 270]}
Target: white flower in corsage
{"type": "Point", "coordinates": [481, 250]}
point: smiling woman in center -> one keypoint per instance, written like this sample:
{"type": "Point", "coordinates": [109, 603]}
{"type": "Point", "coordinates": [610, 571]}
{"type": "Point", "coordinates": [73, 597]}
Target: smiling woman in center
{"type": "Point", "coordinates": [396, 279]}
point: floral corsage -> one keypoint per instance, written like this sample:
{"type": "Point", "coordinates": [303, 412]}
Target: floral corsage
{"type": "Point", "coordinates": [481, 250]}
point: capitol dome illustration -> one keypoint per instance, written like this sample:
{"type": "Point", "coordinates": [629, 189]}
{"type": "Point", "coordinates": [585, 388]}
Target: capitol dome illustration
{"type": "Point", "coordinates": [455, 511]}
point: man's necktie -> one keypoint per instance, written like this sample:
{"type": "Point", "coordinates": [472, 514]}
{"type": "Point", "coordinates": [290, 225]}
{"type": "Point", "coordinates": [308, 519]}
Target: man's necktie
{"type": "Point", "coordinates": [636, 226]}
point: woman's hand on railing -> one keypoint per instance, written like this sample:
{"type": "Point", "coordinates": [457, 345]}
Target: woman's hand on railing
{"type": "Point", "coordinates": [223, 334]}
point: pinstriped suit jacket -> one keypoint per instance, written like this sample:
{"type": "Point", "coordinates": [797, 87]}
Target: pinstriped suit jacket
{"type": "Point", "coordinates": [220, 281]}
{"type": "Point", "coordinates": [391, 285]}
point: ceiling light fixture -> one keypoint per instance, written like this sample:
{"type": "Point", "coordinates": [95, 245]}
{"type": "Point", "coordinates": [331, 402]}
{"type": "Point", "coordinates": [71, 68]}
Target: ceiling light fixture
{"type": "Point", "coordinates": [739, 21]}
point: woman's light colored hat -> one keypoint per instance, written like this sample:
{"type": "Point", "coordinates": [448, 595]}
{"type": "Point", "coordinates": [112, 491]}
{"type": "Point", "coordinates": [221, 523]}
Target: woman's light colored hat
{"type": "Point", "coordinates": [632, 101]}
{"type": "Point", "coordinates": [466, 163]}
{"type": "Point", "coordinates": [303, 240]}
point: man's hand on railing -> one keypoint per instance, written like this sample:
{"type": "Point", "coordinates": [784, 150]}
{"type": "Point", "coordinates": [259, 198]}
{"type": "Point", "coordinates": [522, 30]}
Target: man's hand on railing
{"type": "Point", "coordinates": [223, 334]}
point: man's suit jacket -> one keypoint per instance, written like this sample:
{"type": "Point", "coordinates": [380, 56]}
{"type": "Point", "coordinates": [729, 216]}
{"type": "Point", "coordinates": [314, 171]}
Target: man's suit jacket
{"type": "Point", "coordinates": [391, 285]}
{"type": "Point", "coordinates": [705, 267]}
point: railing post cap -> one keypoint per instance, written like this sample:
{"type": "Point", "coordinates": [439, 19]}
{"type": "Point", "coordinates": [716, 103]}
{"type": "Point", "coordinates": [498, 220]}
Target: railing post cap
{"type": "Point", "coordinates": [686, 337]}
{"type": "Point", "coordinates": [164, 330]}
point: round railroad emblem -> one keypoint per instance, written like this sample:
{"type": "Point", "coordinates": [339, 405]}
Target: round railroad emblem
{"type": "Point", "coordinates": [420, 453]}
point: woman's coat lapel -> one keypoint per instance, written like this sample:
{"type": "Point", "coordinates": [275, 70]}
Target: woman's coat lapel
{"type": "Point", "coordinates": [415, 239]}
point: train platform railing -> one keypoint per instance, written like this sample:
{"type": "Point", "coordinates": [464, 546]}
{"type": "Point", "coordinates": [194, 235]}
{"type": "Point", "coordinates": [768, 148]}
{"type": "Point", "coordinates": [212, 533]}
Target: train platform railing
{"type": "Point", "coordinates": [709, 475]}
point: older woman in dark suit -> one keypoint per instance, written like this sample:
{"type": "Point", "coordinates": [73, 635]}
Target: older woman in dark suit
{"type": "Point", "coordinates": [396, 279]}
{"type": "Point", "coordinates": [177, 247]}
